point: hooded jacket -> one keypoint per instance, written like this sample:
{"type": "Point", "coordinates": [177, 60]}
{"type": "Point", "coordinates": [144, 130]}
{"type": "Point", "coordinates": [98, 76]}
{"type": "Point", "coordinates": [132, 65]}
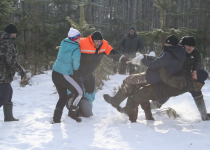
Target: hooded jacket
{"type": "Point", "coordinates": [131, 44]}
{"type": "Point", "coordinates": [8, 58]}
{"type": "Point", "coordinates": [172, 58]}
{"type": "Point", "coordinates": [68, 58]}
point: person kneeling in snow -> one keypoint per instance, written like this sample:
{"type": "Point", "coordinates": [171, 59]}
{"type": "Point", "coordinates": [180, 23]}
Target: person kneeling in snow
{"type": "Point", "coordinates": [171, 86]}
{"type": "Point", "coordinates": [85, 104]}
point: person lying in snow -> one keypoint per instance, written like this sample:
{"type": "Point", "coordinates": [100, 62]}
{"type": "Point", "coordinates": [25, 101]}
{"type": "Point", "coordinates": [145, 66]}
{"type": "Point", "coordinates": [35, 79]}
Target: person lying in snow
{"type": "Point", "coordinates": [172, 85]}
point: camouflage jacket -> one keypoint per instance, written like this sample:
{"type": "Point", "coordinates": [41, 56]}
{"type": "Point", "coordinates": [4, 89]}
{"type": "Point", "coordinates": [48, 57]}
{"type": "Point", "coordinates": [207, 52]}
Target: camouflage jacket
{"type": "Point", "coordinates": [174, 85]}
{"type": "Point", "coordinates": [8, 58]}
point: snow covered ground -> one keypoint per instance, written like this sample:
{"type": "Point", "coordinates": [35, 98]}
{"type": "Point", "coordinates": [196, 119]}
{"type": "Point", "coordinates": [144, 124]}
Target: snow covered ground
{"type": "Point", "coordinates": [107, 129]}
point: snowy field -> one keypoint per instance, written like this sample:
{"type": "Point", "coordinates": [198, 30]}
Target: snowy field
{"type": "Point", "coordinates": [107, 129]}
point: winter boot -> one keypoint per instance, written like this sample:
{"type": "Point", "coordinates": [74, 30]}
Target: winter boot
{"type": "Point", "coordinates": [7, 108]}
{"type": "Point", "coordinates": [147, 110]}
{"type": "Point", "coordinates": [115, 100]}
{"type": "Point", "coordinates": [199, 101]}
{"type": "Point", "coordinates": [57, 115]}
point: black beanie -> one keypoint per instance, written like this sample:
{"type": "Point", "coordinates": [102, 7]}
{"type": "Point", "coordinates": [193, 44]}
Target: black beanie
{"type": "Point", "coordinates": [172, 39]}
{"type": "Point", "coordinates": [97, 36]}
{"type": "Point", "coordinates": [190, 41]}
{"type": "Point", "coordinates": [131, 28]}
{"type": "Point", "coordinates": [202, 75]}
{"type": "Point", "coordinates": [11, 28]}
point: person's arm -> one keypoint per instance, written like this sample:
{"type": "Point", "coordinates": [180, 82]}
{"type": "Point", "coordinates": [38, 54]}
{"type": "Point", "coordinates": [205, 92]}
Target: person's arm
{"type": "Point", "coordinates": [115, 55]}
{"type": "Point", "coordinates": [76, 56]}
{"type": "Point", "coordinates": [197, 64]}
{"type": "Point", "coordinates": [12, 62]}
{"type": "Point", "coordinates": [158, 62]}
{"type": "Point", "coordinates": [122, 45]}
{"type": "Point", "coordinates": [178, 82]}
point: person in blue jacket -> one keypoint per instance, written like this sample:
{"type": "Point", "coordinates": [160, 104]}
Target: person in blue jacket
{"type": "Point", "coordinates": [172, 58]}
{"type": "Point", "coordinates": [67, 61]}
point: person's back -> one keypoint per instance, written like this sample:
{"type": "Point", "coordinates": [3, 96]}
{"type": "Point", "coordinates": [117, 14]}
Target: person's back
{"type": "Point", "coordinates": [172, 58]}
{"type": "Point", "coordinates": [68, 58]}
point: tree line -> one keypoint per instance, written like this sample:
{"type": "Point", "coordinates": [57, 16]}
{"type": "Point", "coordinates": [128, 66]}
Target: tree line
{"type": "Point", "coordinates": [42, 24]}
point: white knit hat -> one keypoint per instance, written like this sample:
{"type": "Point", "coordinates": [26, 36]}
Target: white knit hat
{"type": "Point", "coordinates": [74, 34]}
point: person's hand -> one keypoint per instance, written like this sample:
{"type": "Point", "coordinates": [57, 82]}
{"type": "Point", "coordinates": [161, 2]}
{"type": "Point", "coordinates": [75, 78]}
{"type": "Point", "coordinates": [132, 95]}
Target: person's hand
{"type": "Point", "coordinates": [137, 59]}
{"type": "Point", "coordinates": [23, 76]}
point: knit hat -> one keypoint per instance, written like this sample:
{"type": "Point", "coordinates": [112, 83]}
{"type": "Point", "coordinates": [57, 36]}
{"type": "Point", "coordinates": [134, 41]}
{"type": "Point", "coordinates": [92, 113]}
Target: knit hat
{"type": "Point", "coordinates": [172, 39]}
{"type": "Point", "coordinates": [11, 28]}
{"type": "Point", "coordinates": [74, 34]}
{"type": "Point", "coordinates": [97, 36]}
{"type": "Point", "coordinates": [190, 41]}
{"type": "Point", "coordinates": [131, 28]}
{"type": "Point", "coordinates": [202, 75]}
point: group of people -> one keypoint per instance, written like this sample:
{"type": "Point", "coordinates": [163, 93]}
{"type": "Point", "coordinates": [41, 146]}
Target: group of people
{"type": "Point", "coordinates": [72, 75]}
{"type": "Point", "coordinates": [175, 71]}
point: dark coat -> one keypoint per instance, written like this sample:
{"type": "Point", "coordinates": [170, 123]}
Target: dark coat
{"type": "Point", "coordinates": [172, 58]}
{"type": "Point", "coordinates": [8, 58]}
{"type": "Point", "coordinates": [131, 44]}
{"type": "Point", "coordinates": [193, 61]}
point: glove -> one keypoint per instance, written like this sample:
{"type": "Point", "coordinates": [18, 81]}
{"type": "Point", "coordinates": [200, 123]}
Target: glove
{"type": "Point", "coordinates": [137, 59]}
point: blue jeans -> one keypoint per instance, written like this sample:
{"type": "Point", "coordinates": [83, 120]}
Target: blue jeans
{"type": "Point", "coordinates": [5, 93]}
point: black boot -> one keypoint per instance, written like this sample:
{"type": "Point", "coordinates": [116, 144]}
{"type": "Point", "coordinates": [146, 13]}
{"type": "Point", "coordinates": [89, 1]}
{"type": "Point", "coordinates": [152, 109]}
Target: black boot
{"type": "Point", "coordinates": [147, 110]}
{"type": "Point", "coordinates": [116, 100]}
{"type": "Point", "coordinates": [8, 116]}
{"type": "Point", "coordinates": [202, 108]}
{"type": "Point", "coordinates": [57, 115]}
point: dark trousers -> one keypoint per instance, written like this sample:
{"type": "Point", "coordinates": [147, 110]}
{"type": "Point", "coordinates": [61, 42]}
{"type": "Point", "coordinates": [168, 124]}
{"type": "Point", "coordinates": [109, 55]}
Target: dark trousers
{"type": "Point", "coordinates": [89, 83]}
{"type": "Point", "coordinates": [193, 93]}
{"type": "Point", "coordinates": [5, 93]}
{"type": "Point", "coordinates": [64, 82]}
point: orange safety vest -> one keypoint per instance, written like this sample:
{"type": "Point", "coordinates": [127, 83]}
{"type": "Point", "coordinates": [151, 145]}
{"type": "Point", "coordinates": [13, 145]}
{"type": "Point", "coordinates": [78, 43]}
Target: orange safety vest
{"type": "Point", "coordinates": [87, 46]}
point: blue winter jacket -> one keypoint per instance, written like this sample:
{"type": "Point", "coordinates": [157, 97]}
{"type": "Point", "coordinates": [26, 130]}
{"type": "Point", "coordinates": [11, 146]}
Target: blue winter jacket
{"type": "Point", "coordinates": [68, 58]}
{"type": "Point", "coordinates": [172, 58]}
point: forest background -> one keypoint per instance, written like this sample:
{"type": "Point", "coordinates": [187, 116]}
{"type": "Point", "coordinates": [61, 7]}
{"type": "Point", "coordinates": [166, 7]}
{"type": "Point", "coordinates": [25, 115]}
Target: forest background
{"type": "Point", "coordinates": [42, 24]}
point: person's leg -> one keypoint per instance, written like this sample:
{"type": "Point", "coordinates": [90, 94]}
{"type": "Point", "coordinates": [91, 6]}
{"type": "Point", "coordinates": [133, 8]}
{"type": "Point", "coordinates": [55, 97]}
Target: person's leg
{"type": "Point", "coordinates": [5, 94]}
{"type": "Point", "coordinates": [63, 83]}
{"type": "Point", "coordinates": [200, 103]}
{"type": "Point", "coordinates": [133, 83]}
{"type": "Point", "coordinates": [89, 83]}
{"type": "Point", "coordinates": [130, 84]}
{"type": "Point", "coordinates": [8, 105]}
{"type": "Point", "coordinates": [85, 108]}
{"type": "Point", "coordinates": [142, 97]}
{"type": "Point", "coordinates": [130, 109]}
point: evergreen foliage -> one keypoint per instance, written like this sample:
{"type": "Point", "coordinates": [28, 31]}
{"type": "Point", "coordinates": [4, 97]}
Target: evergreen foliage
{"type": "Point", "coordinates": [42, 24]}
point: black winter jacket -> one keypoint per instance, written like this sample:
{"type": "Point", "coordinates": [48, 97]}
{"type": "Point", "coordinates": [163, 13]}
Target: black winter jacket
{"type": "Point", "coordinates": [172, 58]}
{"type": "Point", "coordinates": [89, 62]}
{"type": "Point", "coordinates": [131, 44]}
{"type": "Point", "coordinates": [193, 61]}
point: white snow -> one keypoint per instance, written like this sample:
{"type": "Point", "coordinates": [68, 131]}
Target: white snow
{"type": "Point", "coordinates": [107, 129]}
